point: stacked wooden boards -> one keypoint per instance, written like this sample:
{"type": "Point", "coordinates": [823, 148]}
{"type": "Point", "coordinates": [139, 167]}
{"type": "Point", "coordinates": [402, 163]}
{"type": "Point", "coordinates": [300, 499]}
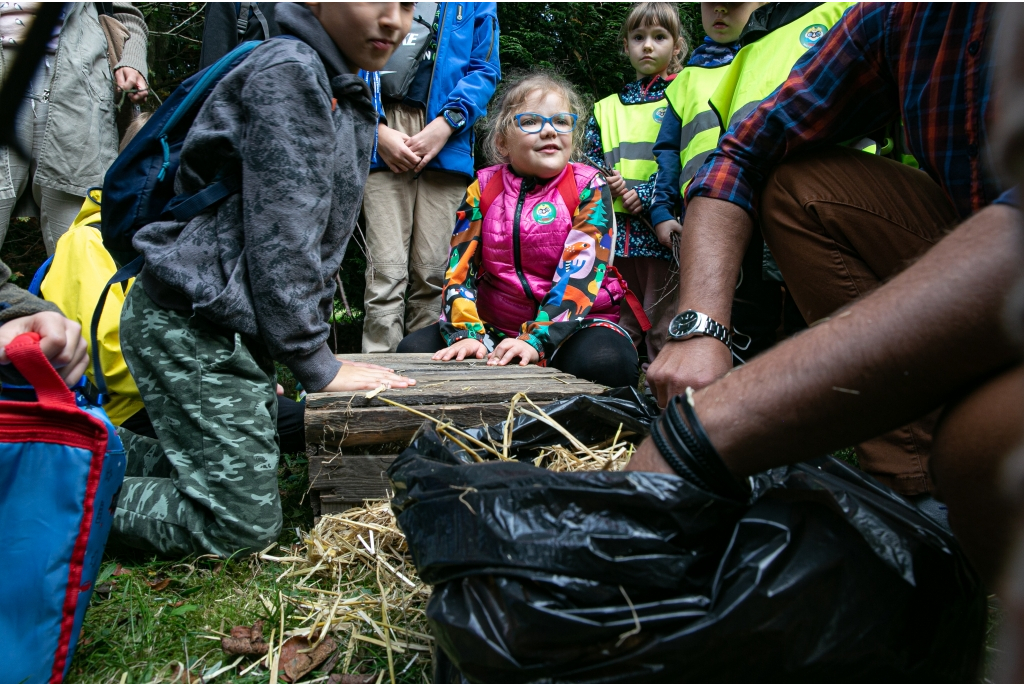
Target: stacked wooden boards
{"type": "Point", "coordinates": [351, 440]}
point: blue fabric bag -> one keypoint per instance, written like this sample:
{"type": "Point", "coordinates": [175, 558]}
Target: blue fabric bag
{"type": "Point", "coordinates": [61, 469]}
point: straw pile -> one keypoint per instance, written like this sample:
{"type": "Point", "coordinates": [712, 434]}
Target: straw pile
{"type": "Point", "coordinates": [374, 594]}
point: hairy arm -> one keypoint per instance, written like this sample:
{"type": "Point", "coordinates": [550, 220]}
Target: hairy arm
{"type": "Point", "coordinates": [918, 341]}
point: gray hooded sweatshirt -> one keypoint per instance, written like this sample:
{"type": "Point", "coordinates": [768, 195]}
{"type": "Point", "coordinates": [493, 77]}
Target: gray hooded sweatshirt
{"type": "Point", "coordinates": [298, 126]}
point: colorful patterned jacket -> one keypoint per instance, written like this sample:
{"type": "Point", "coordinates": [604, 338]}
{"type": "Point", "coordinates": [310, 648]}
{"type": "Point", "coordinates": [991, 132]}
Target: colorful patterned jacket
{"type": "Point", "coordinates": [529, 268]}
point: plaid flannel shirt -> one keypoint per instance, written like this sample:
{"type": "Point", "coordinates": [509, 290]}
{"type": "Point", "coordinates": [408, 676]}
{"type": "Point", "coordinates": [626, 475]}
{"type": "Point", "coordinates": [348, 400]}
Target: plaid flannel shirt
{"type": "Point", "coordinates": [929, 64]}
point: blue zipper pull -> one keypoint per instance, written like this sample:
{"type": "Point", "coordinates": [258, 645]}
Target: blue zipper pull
{"type": "Point", "coordinates": [167, 158]}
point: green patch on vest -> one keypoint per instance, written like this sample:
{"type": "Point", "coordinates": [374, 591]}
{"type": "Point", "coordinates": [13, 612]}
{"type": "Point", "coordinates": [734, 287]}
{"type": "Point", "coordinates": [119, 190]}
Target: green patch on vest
{"type": "Point", "coordinates": [659, 115]}
{"type": "Point", "coordinates": [544, 213]}
{"type": "Point", "coordinates": [812, 34]}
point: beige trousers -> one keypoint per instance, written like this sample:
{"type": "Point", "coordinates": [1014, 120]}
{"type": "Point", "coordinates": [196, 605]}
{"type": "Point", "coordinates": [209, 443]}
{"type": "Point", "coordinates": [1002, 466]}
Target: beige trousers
{"type": "Point", "coordinates": [55, 208]}
{"type": "Point", "coordinates": [409, 223]}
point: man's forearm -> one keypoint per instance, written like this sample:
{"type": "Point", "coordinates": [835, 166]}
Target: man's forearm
{"type": "Point", "coordinates": [715, 236]}
{"type": "Point", "coordinates": [930, 333]}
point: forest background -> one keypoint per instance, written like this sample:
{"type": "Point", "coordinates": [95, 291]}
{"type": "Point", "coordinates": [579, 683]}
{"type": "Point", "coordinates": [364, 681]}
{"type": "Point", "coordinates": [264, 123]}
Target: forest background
{"type": "Point", "coordinates": [577, 39]}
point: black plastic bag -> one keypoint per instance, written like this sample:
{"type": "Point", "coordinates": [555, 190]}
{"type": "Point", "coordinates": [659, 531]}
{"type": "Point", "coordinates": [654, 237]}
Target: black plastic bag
{"type": "Point", "coordinates": [823, 574]}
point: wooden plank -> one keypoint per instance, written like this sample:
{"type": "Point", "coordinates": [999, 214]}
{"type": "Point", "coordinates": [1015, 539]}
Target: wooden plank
{"type": "Point", "coordinates": [463, 392]}
{"type": "Point", "coordinates": [351, 477]}
{"type": "Point", "coordinates": [422, 363]}
{"type": "Point", "coordinates": [339, 505]}
{"type": "Point", "coordinates": [376, 425]}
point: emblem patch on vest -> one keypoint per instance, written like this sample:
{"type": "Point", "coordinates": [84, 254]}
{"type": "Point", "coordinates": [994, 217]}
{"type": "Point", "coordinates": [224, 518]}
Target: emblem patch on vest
{"type": "Point", "coordinates": [812, 34]}
{"type": "Point", "coordinates": [544, 213]}
{"type": "Point", "coordinates": [659, 115]}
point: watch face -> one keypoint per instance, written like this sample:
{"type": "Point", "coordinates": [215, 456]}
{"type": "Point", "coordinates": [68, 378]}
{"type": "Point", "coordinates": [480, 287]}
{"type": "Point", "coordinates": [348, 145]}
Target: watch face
{"type": "Point", "coordinates": [455, 118]}
{"type": "Point", "coordinates": [684, 324]}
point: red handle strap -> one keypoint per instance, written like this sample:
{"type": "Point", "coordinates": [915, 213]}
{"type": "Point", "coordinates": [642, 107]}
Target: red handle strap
{"type": "Point", "coordinates": [633, 301]}
{"type": "Point", "coordinates": [28, 358]}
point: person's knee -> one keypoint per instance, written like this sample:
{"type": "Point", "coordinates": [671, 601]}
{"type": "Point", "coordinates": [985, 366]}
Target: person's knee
{"type": "Point", "coordinates": [249, 534]}
{"type": "Point", "coordinates": [600, 355]}
{"type": "Point", "coordinates": [971, 444]}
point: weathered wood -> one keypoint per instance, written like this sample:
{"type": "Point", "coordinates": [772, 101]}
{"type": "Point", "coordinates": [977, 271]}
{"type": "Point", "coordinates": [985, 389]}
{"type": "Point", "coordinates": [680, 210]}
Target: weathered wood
{"type": "Point", "coordinates": [352, 477]}
{"type": "Point", "coordinates": [469, 393]}
{"type": "Point", "coordinates": [374, 426]}
{"type": "Point", "coordinates": [484, 391]}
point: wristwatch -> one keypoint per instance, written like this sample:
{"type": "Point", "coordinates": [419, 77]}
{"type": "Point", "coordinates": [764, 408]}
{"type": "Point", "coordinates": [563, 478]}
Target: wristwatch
{"type": "Point", "coordinates": [691, 323]}
{"type": "Point", "coordinates": [455, 119]}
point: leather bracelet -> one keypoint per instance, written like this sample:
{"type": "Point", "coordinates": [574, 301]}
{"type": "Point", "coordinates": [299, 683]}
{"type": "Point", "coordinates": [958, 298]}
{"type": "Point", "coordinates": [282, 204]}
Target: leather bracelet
{"type": "Point", "coordinates": [684, 445]}
{"type": "Point", "coordinates": [711, 459]}
{"type": "Point", "coordinates": [674, 462]}
{"type": "Point", "coordinates": [675, 415]}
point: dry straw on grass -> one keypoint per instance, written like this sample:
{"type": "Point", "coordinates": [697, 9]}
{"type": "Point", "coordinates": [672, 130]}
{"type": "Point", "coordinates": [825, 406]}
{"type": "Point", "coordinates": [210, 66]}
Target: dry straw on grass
{"type": "Point", "coordinates": [376, 596]}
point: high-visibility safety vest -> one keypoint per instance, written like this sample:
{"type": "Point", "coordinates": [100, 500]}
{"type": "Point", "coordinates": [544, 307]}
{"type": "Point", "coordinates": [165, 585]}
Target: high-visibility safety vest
{"type": "Point", "coordinates": [628, 134]}
{"type": "Point", "coordinates": [761, 67]}
{"type": "Point", "coordinates": [688, 96]}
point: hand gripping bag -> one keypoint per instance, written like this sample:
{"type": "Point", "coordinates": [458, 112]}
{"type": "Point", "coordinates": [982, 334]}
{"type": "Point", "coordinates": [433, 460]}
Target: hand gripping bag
{"type": "Point", "coordinates": [61, 469]}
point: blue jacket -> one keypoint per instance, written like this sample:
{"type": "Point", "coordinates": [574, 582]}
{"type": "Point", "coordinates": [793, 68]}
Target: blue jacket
{"type": "Point", "coordinates": [666, 204]}
{"type": "Point", "coordinates": [466, 72]}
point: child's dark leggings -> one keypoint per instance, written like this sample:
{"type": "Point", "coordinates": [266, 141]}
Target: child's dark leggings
{"type": "Point", "coordinates": [596, 354]}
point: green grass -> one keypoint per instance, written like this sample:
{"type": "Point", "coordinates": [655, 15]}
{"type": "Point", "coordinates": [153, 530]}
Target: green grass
{"type": "Point", "coordinates": [140, 631]}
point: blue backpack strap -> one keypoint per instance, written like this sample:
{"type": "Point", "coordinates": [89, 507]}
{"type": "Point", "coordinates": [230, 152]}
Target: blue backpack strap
{"type": "Point", "coordinates": [185, 207]}
{"type": "Point", "coordinates": [127, 271]}
{"type": "Point", "coordinates": [35, 287]}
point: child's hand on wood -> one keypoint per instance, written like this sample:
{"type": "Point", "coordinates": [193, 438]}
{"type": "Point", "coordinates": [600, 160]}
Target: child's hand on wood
{"type": "Point", "coordinates": [467, 348]}
{"type": "Point", "coordinates": [616, 183]}
{"type": "Point", "coordinates": [356, 376]}
{"type": "Point", "coordinates": [393, 148]}
{"type": "Point", "coordinates": [631, 201]}
{"type": "Point", "coordinates": [510, 348]}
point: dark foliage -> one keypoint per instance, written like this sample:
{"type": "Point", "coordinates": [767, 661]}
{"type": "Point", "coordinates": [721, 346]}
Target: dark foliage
{"type": "Point", "coordinates": [577, 39]}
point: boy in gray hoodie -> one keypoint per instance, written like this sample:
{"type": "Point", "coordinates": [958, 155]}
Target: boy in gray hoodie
{"type": "Point", "coordinates": [251, 280]}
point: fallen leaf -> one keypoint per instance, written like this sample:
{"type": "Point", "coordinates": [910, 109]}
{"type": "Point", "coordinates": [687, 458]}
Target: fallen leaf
{"type": "Point", "coordinates": [245, 640]}
{"type": "Point", "coordinates": [296, 661]}
{"type": "Point", "coordinates": [178, 603]}
{"type": "Point", "coordinates": [121, 571]}
{"type": "Point", "coordinates": [105, 588]}
{"type": "Point", "coordinates": [217, 569]}
{"type": "Point", "coordinates": [159, 585]}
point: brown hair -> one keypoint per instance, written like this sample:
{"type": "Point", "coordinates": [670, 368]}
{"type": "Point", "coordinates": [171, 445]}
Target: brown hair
{"type": "Point", "coordinates": [663, 14]}
{"type": "Point", "coordinates": [510, 99]}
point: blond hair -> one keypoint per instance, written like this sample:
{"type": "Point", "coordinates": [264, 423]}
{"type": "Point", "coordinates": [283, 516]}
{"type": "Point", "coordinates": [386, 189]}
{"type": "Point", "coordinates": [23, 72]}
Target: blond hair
{"type": "Point", "coordinates": [510, 100]}
{"type": "Point", "coordinates": [133, 130]}
{"type": "Point", "coordinates": [663, 14]}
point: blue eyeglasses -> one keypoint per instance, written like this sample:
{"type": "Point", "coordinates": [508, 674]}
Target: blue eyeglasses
{"type": "Point", "coordinates": [530, 122]}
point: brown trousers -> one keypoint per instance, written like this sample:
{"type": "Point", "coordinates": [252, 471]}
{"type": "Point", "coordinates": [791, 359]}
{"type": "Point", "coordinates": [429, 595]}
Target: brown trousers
{"type": "Point", "coordinates": [652, 281]}
{"type": "Point", "coordinates": [840, 223]}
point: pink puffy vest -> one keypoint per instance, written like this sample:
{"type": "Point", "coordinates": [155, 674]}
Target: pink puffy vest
{"type": "Point", "coordinates": [539, 239]}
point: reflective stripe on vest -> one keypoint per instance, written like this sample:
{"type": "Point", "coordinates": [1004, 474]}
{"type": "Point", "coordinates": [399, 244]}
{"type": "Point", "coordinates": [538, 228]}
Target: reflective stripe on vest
{"type": "Point", "coordinates": [768, 62]}
{"type": "Point", "coordinates": [628, 133]}
{"type": "Point", "coordinates": [688, 96]}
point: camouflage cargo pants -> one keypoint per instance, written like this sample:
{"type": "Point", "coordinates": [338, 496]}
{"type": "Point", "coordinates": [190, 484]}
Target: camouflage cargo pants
{"type": "Point", "coordinates": [209, 483]}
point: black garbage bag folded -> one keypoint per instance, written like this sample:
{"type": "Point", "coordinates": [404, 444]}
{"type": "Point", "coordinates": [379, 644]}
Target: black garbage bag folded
{"type": "Point", "coordinates": [822, 575]}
